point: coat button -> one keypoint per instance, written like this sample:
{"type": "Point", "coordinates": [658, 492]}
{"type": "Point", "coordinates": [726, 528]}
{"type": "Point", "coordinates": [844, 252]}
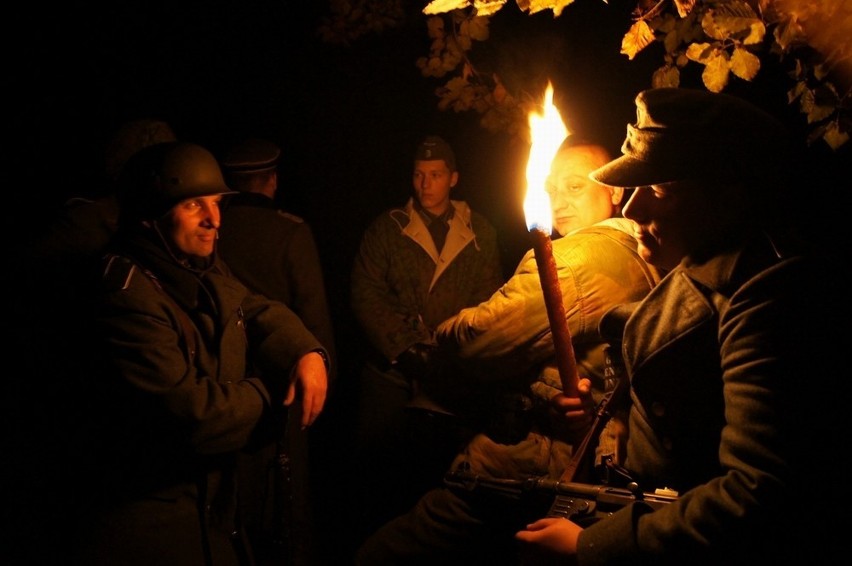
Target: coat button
{"type": "Point", "coordinates": [658, 409]}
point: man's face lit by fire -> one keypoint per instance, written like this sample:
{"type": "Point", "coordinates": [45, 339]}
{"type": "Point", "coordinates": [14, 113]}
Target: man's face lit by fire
{"type": "Point", "coordinates": [576, 200]}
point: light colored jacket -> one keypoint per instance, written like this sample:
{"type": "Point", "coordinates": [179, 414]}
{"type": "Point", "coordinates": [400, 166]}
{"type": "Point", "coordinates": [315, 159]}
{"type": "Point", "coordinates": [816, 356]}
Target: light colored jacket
{"type": "Point", "coordinates": [507, 352]}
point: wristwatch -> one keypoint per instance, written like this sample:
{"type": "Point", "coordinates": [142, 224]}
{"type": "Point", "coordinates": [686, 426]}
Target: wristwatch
{"type": "Point", "coordinates": [325, 359]}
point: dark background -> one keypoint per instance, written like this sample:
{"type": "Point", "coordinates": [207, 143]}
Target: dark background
{"type": "Point", "coordinates": [347, 117]}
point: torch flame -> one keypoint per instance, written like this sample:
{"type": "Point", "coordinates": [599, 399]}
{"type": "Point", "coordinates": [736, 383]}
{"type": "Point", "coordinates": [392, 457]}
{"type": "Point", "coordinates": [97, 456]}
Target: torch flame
{"type": "Point", "coordinates": [547, 132]}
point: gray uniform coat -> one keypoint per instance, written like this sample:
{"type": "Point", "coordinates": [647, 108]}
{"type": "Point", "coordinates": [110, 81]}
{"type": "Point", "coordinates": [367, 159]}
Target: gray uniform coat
{"type": "Point", "coordinates": [735, 404]}
{"type": "Point", "coordinates": [193, 367]}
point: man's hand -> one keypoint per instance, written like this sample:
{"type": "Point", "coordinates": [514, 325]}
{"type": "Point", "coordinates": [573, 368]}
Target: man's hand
{"type": "Point", "coordinates": [550, 541]}
{"type": "Point", "coordinates": [414, 362]}
{"type": "Point", "coordinates": [574, 414]}
{"type": "Point", "coordinates": [310, 379]}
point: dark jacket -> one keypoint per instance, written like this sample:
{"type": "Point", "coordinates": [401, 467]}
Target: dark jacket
{"type": "Point", "coordinates": [735, 404]}
{"type": "Point", "coordinates": [194, 366]}
{"type": "Point", "coordinates": [274, 253]}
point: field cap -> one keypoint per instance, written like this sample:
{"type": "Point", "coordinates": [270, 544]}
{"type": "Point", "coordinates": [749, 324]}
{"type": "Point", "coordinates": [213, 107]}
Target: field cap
{"type": "Point", "coordinates": [683, 134]}
{"type": "Point", "coordinates": [433, 148]}
{"type": "Point", "coordinates": [252, 156]}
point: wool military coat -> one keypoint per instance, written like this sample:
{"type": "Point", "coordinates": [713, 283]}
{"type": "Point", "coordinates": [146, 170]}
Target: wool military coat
{"type": "Point", "coordinates": [194, 366]}
{"type": "Point", "coordinates": [736, 405]}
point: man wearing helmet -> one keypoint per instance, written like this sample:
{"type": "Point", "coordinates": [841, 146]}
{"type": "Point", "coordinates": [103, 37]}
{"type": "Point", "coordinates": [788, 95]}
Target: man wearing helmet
{"type": "Point", "coordinates": [194, 369]}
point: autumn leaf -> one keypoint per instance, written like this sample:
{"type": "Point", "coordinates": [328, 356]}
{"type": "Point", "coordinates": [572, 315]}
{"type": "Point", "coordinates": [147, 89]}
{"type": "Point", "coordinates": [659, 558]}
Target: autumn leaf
{"type": "Point", "coordinates": [699, 52]}
{"type": "Point", "coordinates": [797, 91]}
{"type": "Point", "coordinates": [450, 92]}
{"type": "Point", "coordinates": [486, 8]}
{"type": "Point", "coordinates": [441, 6]}
{"type": "Point", "coordinates": [499, 93]}
{"type": "Point", "coordinates": [477, 27]}
{"type": "Point", "coordinates": [666, 76]}
{"type": "Point", "coordinates": [714, 33]}
{"type": "Point", "coordinates": [820, 112]}
{"type": "Point", "coordinates": [535, 6]}
{"type": "Point", "coordinates": [834, 137]}
{"type": "Point", "coordinates": [744, 64]}
{"type": "Point", "coordinates": [684, 7]}
{"type": "Point", "coordinates": [788, 33]}
{"type": "Point", "coordinates": [435, 27]}
{"type": "Point", "coordinates": [671, 42]}
{"type": "Point", "coordinates": [637, 38]}
{"type": "Point", "coordinates": [716, 71]}
{"type": "Point", "coordinates": [734, 20]}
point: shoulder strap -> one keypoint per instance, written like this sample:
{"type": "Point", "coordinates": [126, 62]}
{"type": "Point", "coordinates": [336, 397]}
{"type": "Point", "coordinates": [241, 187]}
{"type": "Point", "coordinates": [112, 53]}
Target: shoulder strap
{"type": "Point", "coordinates": [187, 328]}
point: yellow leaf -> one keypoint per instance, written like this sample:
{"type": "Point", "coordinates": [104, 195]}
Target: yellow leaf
{"type": "Point", "coordinates": [734, 20]}
{"type": "Point", "coordinates": [798, 89]}
{"type": "Point", "coordinates": [834, 137]}
{"type": "Point", "coordinates": [535, 6]}
{"type": "Point", "coordinates": [637, 38]}
{"type": "Point", "coordinates": [819, 112]}
{"type": "Point", "coordinates": [441, 6]}
{"type": "Point", "coordinates": [699, 52]}
{"type": "Point", "coordinates": [487, 7]}
{"type": "Point", "coordinates": [684, 7]}
{"type": "Point", "coordinates": [744, 63]}
{"type": "Point", "coordinates": [715, 75]}
{"type": "Point", "coordinates": [666, 76]}
{"type": "Point", "coordinates": [435, 27]}
{"type": "Point", "coordinates": [478, 28]}
{"type": "Point", "coordinates": [788, 33]}
{"type": "Point", "coordinates": [463, 39]}
{"type": "Point", "coordinates": [671, 41]}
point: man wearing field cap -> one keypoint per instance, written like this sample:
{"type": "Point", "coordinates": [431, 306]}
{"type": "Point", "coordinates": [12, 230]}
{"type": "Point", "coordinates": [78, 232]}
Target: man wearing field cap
{"type": "Point", "coordinates": [417, 265]}
{"type": "Point", "coordinates": [731, 358]}
{"type": "Point", "coordinates": [274, 253]}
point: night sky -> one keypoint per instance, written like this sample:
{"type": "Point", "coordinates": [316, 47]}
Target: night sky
{"type": "Point", "coordinates": [348, 118]}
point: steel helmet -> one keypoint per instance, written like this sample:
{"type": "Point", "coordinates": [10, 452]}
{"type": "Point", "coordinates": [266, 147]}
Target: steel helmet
{"type": "Point", "coordinates": [160, 176]}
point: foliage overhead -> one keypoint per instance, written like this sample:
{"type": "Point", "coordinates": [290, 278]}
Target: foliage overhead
{"type": "Point", "coordinates": [731, 39]}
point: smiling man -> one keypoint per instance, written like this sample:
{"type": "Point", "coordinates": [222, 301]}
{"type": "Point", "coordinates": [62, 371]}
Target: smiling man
{"type": "Point", "coordinates": [193, 367]}
{"type": "Point", "coordinates": [576, 200]}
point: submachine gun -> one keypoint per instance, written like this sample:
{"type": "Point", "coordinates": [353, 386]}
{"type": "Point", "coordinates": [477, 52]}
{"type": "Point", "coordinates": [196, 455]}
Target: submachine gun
{"type": "Point", "coordinates": [581, 502]}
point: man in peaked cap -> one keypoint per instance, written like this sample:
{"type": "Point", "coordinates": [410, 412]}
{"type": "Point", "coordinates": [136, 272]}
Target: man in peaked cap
{"type": "Point", "coordinates": [274, 252]}
{"type": "Point", "coordinates": [732, 358]}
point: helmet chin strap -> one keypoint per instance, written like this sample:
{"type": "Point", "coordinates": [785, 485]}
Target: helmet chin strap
{"type": "Point", "coordinates": [192, 262]}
